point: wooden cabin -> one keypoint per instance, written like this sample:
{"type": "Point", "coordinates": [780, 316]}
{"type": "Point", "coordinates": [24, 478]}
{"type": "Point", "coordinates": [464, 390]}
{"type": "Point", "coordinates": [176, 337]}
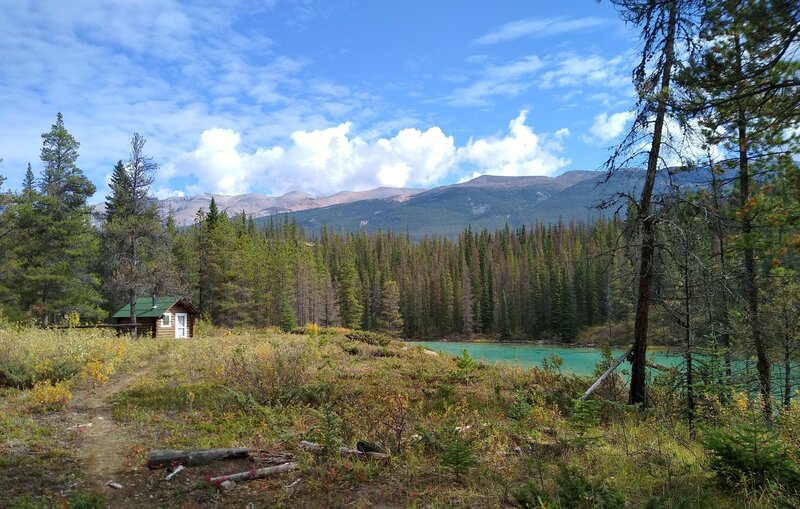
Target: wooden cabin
{"type": "Point", "coordinates": [161, 317]}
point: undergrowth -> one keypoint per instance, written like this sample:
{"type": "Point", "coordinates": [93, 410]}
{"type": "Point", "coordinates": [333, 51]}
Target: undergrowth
{"type": "Point", "coordinates": [460, 432]}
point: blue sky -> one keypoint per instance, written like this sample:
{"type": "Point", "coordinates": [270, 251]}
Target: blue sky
{"type": "Point", "coordinates": [273, 96]}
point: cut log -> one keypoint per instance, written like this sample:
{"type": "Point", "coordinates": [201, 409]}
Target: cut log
{"type": "Point", "coordinates": [345, 451]}
{"type": "Point", "coordinates": [607, 373]}
{"type": "Point", "coordinates": [163, 458]}
{"type": "Point", "coordinates": [254, 474]}
{"type": "Point", "coordinates": [265, 459]}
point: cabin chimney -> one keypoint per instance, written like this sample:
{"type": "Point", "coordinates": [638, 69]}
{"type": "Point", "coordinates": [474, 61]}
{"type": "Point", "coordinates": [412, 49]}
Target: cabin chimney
{"type": "Point", "coordinates": [154, 301]}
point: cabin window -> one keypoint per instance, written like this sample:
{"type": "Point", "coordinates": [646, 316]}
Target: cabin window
{"type": "Point", "coordinates": [166, 320]}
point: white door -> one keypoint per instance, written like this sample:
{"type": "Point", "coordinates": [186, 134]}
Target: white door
{"type": "Point", "coordinates": [181, 329]}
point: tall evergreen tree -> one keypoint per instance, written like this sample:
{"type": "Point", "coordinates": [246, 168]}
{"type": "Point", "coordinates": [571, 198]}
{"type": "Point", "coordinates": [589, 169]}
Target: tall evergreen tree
{"type": "Point", "coordinates": [136, 256]}
{"type": "Point", "coordinates": [350, 308]}
{"type": "Point", "coordinates": [29, 183]}
{"type": "Point", "coordinates": [58, 245]}
{"type": "Point", "coordinates": [118, 203]}
{"type": "Point", "coordinates": [744, 87]}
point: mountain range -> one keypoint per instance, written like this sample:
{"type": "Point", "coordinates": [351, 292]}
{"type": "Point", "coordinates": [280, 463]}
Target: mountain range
{"type": "Point", "coordinates": [488, 202]}
{"type": "Point", "coordinates": [484, 202]}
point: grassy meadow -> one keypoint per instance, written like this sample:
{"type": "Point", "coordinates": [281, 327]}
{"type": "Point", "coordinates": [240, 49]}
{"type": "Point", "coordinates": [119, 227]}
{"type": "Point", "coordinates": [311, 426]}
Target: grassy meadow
{"type": "Point", "coordinates": [460, 433]}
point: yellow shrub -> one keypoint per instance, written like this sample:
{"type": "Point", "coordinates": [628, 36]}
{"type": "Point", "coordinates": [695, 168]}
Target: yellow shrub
{"type": "Point", "coordinates": [51, 397]}
{"type": "Point", "coordinates": [312, 329]}
{"type": "Point", "coordinates": [96, 372]}
{"type": "Point", "coordinates": [43, 368]}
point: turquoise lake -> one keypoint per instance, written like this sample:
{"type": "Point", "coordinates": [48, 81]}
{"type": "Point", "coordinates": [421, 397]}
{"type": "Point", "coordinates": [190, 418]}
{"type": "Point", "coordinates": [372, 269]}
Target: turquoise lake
{"type": "Point", "coordinates": [580, 361]}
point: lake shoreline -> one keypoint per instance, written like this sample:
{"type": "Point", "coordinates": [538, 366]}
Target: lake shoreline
{"type": "Point", "coordinates": [540, 342]}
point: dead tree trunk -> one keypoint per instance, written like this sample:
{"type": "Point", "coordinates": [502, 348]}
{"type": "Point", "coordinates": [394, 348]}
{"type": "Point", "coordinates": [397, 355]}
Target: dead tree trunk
{"type": "Point", "coordinates": [163, 458]}
{"type": "Point", "coordinates": [254, 474]}
{"type": "Point", "coordinates": [647, 221]}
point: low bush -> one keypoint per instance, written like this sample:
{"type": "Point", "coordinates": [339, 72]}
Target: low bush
{"type": "Point", "coordinates": [752, 454]}
{"type": "Point", "coordinates": [532, 496]}
{"type": "Point", "coordinates": [576, 491]}
{"type": "Point", "coordinates": [51, 396]}
{"type": "Point", "coordinates": [371, 338]}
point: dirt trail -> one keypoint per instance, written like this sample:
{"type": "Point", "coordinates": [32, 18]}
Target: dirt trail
{"type": "Point", "coordinates": [102, 445]}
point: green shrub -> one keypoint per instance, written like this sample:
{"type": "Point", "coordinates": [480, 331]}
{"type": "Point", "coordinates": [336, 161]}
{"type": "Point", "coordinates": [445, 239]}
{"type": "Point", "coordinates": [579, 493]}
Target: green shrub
{"type": "Point", "coordinates": [465, 362]}
{"type": "Point", "coordinates": [752, 454]}
{"type": "Point", "coordinates": [86, 501]}
{"type": "Point", "coordinates": [370, 338]}
{"type": "Point", "coordinates": [23, 375]}
{"type": "Point", "coordinates": [28, 502]}
{"type": "Point", "coordinates": [531, 496]}
{"type": "Point", "coordinates": [576, 491]}
{"type": "Point", "coordinates": [328, 433]}
{"type": "Point", "coordinates": [520, 409]}
{"type": "Point", "coordinates": [458, 457]}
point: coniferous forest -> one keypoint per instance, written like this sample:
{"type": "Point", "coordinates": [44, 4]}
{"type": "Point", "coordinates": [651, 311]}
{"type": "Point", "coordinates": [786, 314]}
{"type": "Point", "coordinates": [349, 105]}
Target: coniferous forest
{"type": "Point", "coordinates": [542, 282]}
{"type": "Point", "coordinates": [538, 282]}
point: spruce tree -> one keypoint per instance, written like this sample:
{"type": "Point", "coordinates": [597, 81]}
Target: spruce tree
{"type": "Point", "coordinates": [57, 245]}
{"type": "Point", "coordinates": [350, 308]}
{"type": "Point", "coordinates": [135, 249]}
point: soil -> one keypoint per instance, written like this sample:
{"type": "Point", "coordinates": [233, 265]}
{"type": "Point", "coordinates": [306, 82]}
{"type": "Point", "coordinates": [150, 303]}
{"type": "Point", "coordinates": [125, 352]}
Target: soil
{"type": "Point", "coordinates": [101, 442]}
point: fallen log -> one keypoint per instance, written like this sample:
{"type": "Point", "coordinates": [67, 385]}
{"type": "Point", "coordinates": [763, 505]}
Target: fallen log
{"type": "Point", "coordinates": [254, 474]}
{"type": "Point", "coordinates": [163, 458]}
{"type": "Point", "coordinates": [607, 373]}
{"type": "Point", "coordinates": [345, 451]}
{"type": "Point", "coordinates": [659, 367]}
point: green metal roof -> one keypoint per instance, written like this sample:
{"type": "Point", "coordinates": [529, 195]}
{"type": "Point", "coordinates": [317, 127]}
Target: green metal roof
{"type": "Point", "coordinates": [146, 309]}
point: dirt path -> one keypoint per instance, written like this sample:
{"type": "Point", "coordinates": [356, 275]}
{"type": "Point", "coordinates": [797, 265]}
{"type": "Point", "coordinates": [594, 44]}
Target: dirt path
{"type": "Point", "coordinates": [102, 445]}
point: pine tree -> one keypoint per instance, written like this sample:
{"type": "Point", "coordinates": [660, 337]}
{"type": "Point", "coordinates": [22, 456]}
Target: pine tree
{"type": "Point", "coordinates": [350, 308]}
{"type": "Point", "coordinates": [743, 83]}
{"type": "Point", "coordinates": [119, 201]}
{"type": "Point", "coordinates": [135, 248]}
{"type": "Point", "coordinates": [391, 319]}
{"type": "Point", "coordinates": [504, 323]}
{"type": "Point", "coordinates": [29, 183]}
{"type": "Point", "coordinates": [57, 245]}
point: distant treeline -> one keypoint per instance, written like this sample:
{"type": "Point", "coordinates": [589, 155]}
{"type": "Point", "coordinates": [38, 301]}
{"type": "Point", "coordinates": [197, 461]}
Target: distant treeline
{"type": "Point", "coordinates": [537, 282]}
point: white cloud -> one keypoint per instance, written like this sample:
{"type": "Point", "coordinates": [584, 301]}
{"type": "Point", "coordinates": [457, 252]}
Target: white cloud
{"type": "Point", "coordinates": [573, 70]}
{"type": "Point", "coordinates": [165, 192]}
{"type": "Point", "coordinates": [323, 161]}
{"type": "Point", "coordinates": [521, 152]}
{"type": "Point", "coordinates": [563, 70]}
{"type": "Point", "coordinates": [320, 161]}
{"type": "Point", "coordinates": [538, 27]}
{"type": "Point", "coordinates": [508, 80]}
{"type": "Point", "coordinates": [607, 128]}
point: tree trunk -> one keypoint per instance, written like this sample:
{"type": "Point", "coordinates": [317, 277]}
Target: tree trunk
{"type": "Point", "coordinates": [606, 374]}
{"type": "Point", "coordinates": [690, 403]}
{"type": "Point", "coordinates": [638, 394]}
{"type": "Point", "coordinates": [787, 367]}
{"type": "Point", "coordinates": [163, 458]}
{"type": "Point", "coordinates": [254, 474]}
{"type": "Point", "coordinates": [750, 275]}
{"type": "Point", "coordinates": [134, 321]}
{"type": "Point", "coordinates": [719, 233]}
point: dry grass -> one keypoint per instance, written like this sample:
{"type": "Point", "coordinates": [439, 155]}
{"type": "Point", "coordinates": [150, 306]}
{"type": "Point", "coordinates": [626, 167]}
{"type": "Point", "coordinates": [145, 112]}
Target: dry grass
{"type": "Point", "coordinates": [460, 433]}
